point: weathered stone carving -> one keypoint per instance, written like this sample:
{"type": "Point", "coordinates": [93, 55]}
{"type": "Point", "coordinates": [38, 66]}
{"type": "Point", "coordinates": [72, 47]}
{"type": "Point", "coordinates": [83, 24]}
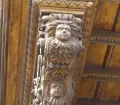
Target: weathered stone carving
{"type": "Point", "coordinates": [59, 45]}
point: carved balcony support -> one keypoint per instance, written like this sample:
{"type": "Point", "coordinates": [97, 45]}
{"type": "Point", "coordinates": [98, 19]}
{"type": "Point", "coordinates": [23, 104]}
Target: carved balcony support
{"type": "Point", "coordinates": [54, 47]}
{"type": "Point", "coordinates": [59, 44]}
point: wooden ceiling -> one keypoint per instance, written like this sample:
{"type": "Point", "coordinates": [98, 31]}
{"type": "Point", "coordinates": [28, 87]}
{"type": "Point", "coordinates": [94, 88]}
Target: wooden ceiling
{"type": "Point", "coordinates": [103, 55]}
{"type": "Point", "coordinates": [105, 42]}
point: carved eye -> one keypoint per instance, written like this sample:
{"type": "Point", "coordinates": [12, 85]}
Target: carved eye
{"type": "Point", "coordinates": [54, 86]}
{"type": "Point", "coordinates": [67, 29]}
{"type": "Point", "coordinates": [60, 29]}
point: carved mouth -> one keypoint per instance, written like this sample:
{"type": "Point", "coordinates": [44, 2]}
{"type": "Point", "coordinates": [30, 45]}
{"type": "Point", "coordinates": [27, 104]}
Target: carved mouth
{"type": "Point", "coordinates": [64, 34]}
{"type": "Point", "coordinates": [57, 91]}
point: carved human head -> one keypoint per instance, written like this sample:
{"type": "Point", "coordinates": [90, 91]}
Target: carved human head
{"type": "Point", "coordinates": [50, 22]}
{"type": "Point", "coordinates": [57, 88]}
{"type": "Point", "coordinates": [63, 32]}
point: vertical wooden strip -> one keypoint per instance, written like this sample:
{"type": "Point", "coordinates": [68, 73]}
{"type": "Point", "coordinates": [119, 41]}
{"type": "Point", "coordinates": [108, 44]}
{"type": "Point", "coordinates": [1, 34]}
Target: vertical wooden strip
{"type": "Point", "coordinates": [1, 21]}
{"type": "Point", "coordinates": [13, 41]}
{"type": "Point", "coordinates": [108, 56]}
{"type": "Point", "coordinates": [115, 60]}
{"type": "Point", "coordinates": [98, 91]}
{"type": "Point", "coordinates": [3, 48]}
{"type": "Point", "coordinates": [117, 22]}
{"type": "Point", "coordinates": [23, 26]}
{"type": "Point", "coordinates": [30, 53]}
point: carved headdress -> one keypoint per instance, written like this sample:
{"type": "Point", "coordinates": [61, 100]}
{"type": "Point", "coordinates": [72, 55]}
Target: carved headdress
{"type": "Point", "coordinates": [53, 20]}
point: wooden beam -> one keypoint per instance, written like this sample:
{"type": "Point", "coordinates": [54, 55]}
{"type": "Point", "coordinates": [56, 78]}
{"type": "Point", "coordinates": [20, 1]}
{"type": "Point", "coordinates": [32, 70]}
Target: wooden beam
{"type": "Point", "coordinates": [101, 74]}
{"type": "Point", "coordinates": [85, 101]}
{"type": "Point", "coordinates": [106, 33]}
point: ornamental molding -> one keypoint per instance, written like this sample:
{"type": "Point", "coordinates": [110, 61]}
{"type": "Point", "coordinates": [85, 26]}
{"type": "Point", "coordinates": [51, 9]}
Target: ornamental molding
{"type": "Point", "coordinates": [101, 76]}
{"type": "Point", "coordinates": [105, 37]}
{"type": "Point", "coordinates": [84, 4]}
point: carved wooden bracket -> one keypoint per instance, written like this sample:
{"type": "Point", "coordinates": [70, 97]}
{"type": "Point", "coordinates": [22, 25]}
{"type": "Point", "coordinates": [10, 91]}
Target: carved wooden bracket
{"type": "Point", "coordinates": [53, 46]}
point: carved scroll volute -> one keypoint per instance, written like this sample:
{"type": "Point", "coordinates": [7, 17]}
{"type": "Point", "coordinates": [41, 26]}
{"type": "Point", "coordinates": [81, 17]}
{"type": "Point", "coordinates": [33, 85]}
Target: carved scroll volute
{"type": "Point", "coordinates": [59, 44]}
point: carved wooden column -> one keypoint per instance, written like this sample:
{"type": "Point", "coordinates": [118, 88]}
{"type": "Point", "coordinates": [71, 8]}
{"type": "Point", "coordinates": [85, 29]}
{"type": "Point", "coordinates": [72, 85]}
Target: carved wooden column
{"type": "Point", "coordinates": [56, 36]}
{"type": "Point", "coordinates": [3, 48]}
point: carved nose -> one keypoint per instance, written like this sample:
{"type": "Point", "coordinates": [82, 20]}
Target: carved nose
{"type": "Point", "coordinates": [57, 87]}
{"type": "Point", "coordinates": [64, 30]}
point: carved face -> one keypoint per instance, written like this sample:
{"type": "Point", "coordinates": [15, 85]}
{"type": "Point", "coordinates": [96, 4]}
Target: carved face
{"type": "Point", "coordinates": [56, 89]}
{"type": "Point", "coordinates": [63, 32]}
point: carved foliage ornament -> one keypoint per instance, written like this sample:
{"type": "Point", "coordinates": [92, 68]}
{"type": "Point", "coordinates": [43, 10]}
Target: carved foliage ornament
{"type": "Point", "coordinates": [59, 44]}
